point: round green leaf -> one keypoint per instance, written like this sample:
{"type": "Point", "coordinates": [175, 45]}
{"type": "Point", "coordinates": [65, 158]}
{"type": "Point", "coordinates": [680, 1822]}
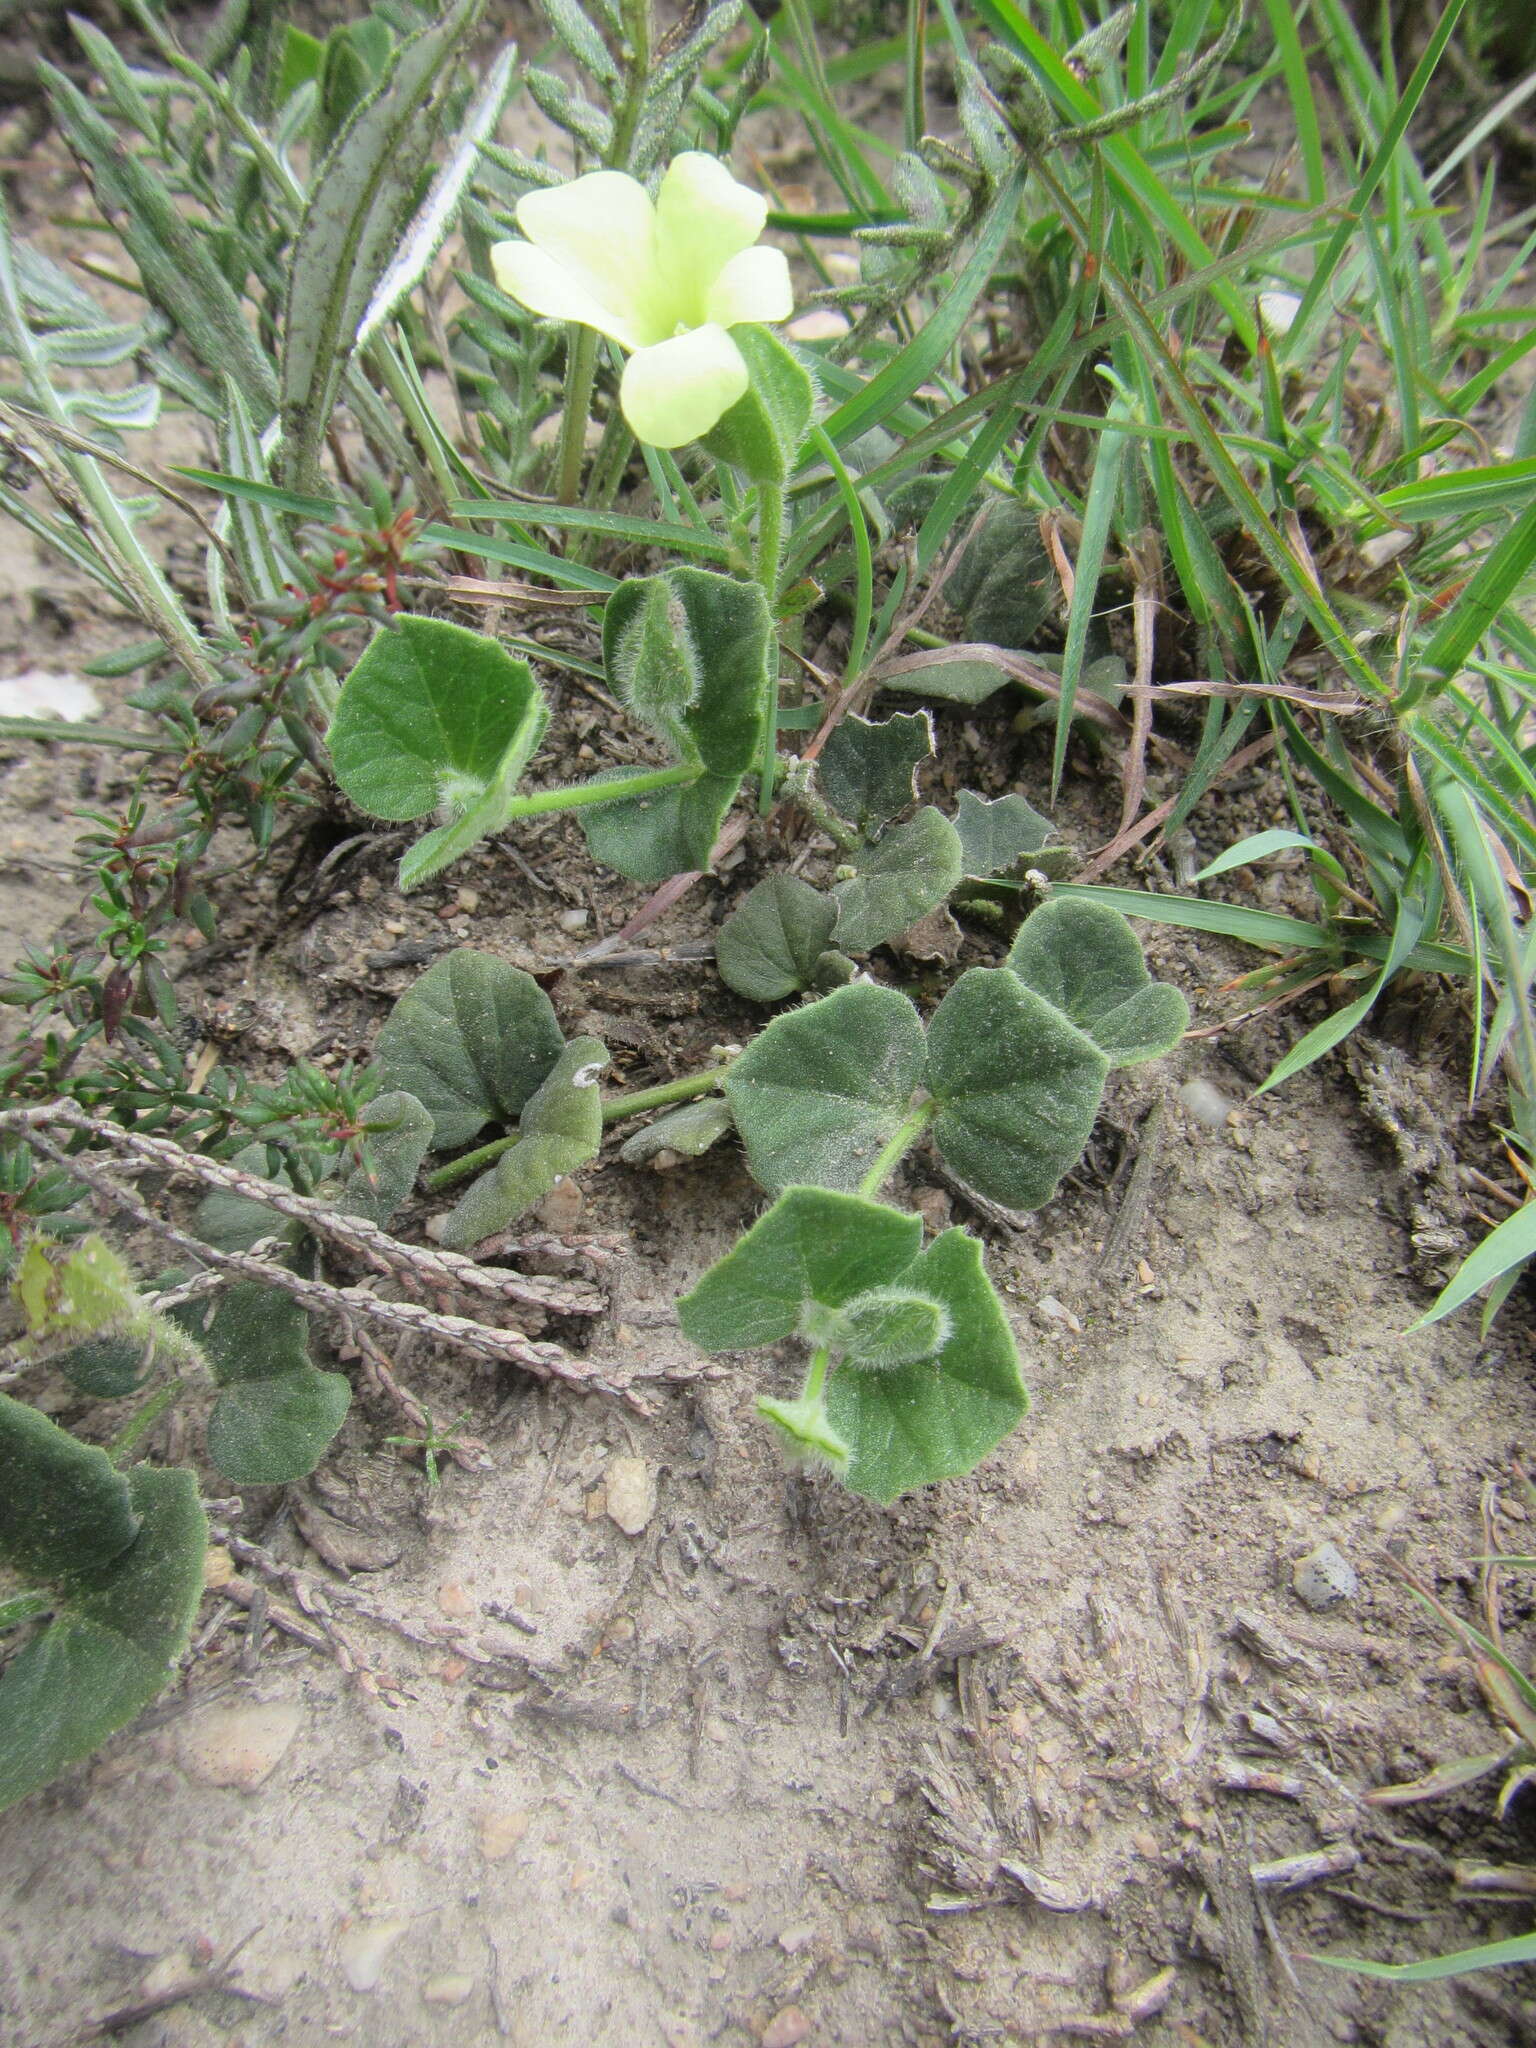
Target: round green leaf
{"type": "Point", "coordinates": [270, 1431]}
{"type": "Point", "coordinates": [703, 691]}
{"type": "Point", "coordinates": [995, 837]}
{"type": "Point", "coordinates": [1018, 1087]}
{"type": "Point", "coordinates": [813, 1249]}
{"type": "Point", "coordinates": [689, 1131]}
{"type": "Point", "coordinates": [1086, 960]}
{"type": "Point", "coordinates": [818, 1093]}
{"type": "Point", "coordinates": [429, 718]}
{"type": "Point", "coordinates": [939, 1417]}
{"type": "Point", "coordinates": [897, 881]}
{"type": "Point", "coordinates": [113, 1642]}
{"type": "Point", "coordinates": [770, 947]}
{"type": "Point", "coordinates": [106, 1367]}
{"type": "Point", "coordinates": [398, 1138]}
{"type": "Point", "coordinates": [275, 1413]}
{"type": "Point", "coordinates": [471, 1040]}
{"type": "Point", "coordinates": [64, 1507]}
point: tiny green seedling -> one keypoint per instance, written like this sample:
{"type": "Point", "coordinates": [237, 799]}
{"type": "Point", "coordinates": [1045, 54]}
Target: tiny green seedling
{"type": "Point", "coordinates": [433, 1441]}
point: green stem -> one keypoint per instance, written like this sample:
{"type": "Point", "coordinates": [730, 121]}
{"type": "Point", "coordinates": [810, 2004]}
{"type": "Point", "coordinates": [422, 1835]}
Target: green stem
{"type": "Point", "coordinates": [685, 1089]}
{"type": "Point", "coordinates": [770, 557]}
{"type": "Point", "coordinates": [904, 1140]}
{"type": "Point", "coordinates": [574, 796]}
{"type": "Point", "coordinates": [580, 369]}
{"type": "Point", "coordinates": [89, 735]}
{"type": "Point", "coordinates": [816, 1378]}
{"type": "Point", "coordinates": [139, 1425]}
{"type": "Point", "coordinates": [24, 1607]}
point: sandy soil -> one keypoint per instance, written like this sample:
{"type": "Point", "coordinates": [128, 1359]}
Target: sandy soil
{"type": "Point", "coordinates": [997, 1765]}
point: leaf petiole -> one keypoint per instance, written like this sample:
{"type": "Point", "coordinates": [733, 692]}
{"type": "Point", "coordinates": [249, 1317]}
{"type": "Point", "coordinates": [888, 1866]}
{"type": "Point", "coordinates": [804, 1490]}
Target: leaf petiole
{"type": "Point", "coordinates": [576, 795]}
{"type": "Point", "coordinates": [903, 1141]}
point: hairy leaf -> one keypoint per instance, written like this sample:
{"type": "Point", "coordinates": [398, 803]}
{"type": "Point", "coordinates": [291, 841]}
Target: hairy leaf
{"type": "Point", "coordinates": [436, 718]}
{"type": "Point", "coordinates": [821, 1090]}
{"type": "Point", "coordinates": [64, 1507]}
{"type": "Point", "coordinates": [174, 260]}
{"type": "Point", "coordinates": [360, 198]}
{"type": "Point", "coordinates": [771, 946]}
{"type": "Point", "coordinates": [898, 880]}
{"type": "Point", "coordinates": [471, 1040]}
{"type": "Point", "coordinates": [762, 433]}
{"type": "Point", "coordinates": [560, 1129]}
{"type": "Point", "coordinates": [1018, 1087]}
{"type": "Point", "coordinates": [1085, 959]}
{"type": "Point", "coordinates": [813, 1249]}
{"type": "Point", "coordinates": [995, 837]}
{"type": "Point", "coordinates": [112, 1643]}
{"type": "Point", "coordinates": [689, 1131]}
{"type": "Point", "coordinates": [276, 1412]}
{"type": "Point", "coordinates": [895, 1325]}
{"type": "Point", "coordinates": [705, 694]}
{"type": "Point", "coordinates": [937, 1418]}
{"type": "Point", "coordinates": [398, 1139]}
{"type": "Point", "coordinates": [868, 771]}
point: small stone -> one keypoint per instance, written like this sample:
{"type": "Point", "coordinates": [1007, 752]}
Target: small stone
{"type": "Point", "coordinates": [822, 323]}
{"type": "Point", "coordinates": [560, 1209]}
{"type": "Point", "coordinates": [501, 1830]}
{"type": "Point", "coordinates": [453, 1987]}
{"type": "Point", "coordinates": [787, 2029]}
{"type": "Point", "coordinates": [1324, 1577]}
{"type": "Point", "coordinates": [795, 1938]}
{"type": "Point", "coordinates": [467, 899]}
{"type": "Point", "coordinates": [720, 1940]}
{"type": "Point", "coordinates": [454, 1599]}
{"type": "Point", "coordinates": [364, 1948]}
{"type": "Point", "coordinates": [631, 1494]}
{"type": "Point", "coordinates": [238, 1747]}
{"type": "Point", "coordinates": [573, 920]}
{"type": "Point", "coordinates": [1206, 1103]}
{"type": "Point", "coordinates": [166, 1974]}
{"type": "Point", "coordinates": [1055, 1312]}
{"type": "Point", "coordinates": [218, 1567]}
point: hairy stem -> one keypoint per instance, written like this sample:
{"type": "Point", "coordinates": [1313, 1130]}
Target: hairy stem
{"type": "Point", "coordinates": [580, 369]}
{"type": "Point", "coordinates": [916, 1123]}
{"type": "Point", "coordinates": [576, 796]}
{"type": "Point", "coordinates": [685, 1089]}
{"type": "Point", "coordinates": [816, 1378]}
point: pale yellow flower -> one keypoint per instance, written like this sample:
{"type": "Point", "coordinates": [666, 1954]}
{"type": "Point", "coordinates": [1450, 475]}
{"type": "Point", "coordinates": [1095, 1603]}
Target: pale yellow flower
{"type": "Point", "coordinates": [667, 280]}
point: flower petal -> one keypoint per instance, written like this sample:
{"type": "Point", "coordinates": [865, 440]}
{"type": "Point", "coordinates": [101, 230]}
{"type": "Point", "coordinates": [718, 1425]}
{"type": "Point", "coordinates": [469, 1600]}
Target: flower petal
{"type": "Point", "coordinates": [601, 230]}
{"type": "Point", "coordinates": [703, 219]}
{"type": "Point", "coordinates": [754, 286]}
{"type": "Point", "coordinates": [545, 287]}
{"type": "Point", "coordinates": [678, 390]}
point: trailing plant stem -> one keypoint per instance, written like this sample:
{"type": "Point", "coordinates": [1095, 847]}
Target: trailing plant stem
{"type": "Point", "coordinates": [686, 1089]}
{"type": "Point", "coordinates": [895, 1147]}
{"type": "Point", "coordinates": [573, 796]}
